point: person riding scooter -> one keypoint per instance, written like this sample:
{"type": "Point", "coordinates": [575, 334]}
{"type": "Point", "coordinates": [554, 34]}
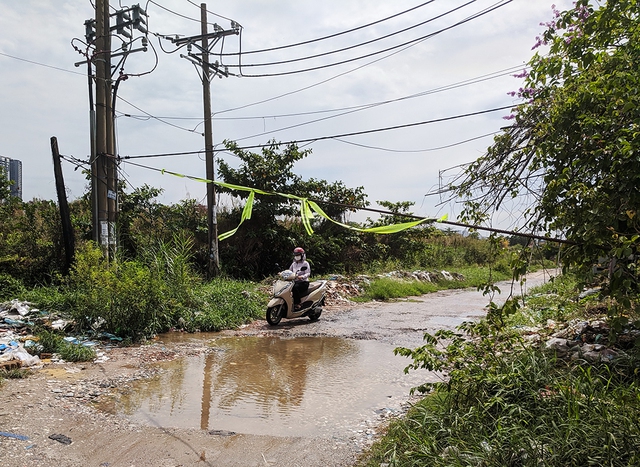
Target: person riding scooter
{"type": "Point", "coordinates": [302, 270]}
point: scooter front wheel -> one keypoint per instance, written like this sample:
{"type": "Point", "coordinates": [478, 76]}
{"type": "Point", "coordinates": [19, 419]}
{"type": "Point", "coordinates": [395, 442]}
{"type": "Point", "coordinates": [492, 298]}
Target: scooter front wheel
{"type": "Point", "coordinates": [275, 314]}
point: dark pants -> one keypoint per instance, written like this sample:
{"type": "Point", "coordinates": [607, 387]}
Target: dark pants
{"type": "Point", "coordinates": [299, 290]}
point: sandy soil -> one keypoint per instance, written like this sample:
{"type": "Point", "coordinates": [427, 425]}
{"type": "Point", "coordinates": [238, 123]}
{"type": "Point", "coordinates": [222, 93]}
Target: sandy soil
{"type": "Point", "coordinates": [60, 399]}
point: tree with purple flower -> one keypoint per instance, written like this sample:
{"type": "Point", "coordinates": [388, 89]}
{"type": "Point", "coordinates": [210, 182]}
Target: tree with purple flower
{"type": "Point", "coordinates": [572, 150]}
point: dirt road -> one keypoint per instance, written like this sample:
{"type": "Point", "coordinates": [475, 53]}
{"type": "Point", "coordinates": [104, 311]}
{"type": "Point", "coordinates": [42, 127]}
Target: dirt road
{"type": "Point", "coordinates": [61, 399]}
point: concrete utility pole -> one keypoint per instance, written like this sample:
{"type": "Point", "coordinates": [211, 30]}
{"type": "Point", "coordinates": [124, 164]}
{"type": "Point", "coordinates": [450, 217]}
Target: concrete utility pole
{"type": "Point", "coordinates": [212, 208]}
{"type": "Point", "coordinates": [104, 166]}
{"type": "Point", "coordinates": [201, 60]}
{"type": "Point", "coordinates": [105, 159]}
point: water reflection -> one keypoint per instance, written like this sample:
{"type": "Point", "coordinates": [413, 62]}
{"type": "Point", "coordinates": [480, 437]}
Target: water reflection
{"type": "Point", "coordinates": [268, 385]}
{"type": "Point", "coordinates": [268, 375]}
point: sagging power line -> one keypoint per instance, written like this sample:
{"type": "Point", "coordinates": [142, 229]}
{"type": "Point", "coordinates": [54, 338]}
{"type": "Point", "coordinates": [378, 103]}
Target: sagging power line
{"type": "Point", "coordinates": [342, 135]}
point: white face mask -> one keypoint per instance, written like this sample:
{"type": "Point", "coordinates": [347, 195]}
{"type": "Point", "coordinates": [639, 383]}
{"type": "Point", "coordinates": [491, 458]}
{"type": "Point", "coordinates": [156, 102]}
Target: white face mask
{"type": "Point", "coordinates": [297, 257]}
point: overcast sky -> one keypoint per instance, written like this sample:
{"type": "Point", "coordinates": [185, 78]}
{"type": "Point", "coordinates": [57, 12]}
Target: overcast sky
{"type": "Point", "coordinates": [412, 84]}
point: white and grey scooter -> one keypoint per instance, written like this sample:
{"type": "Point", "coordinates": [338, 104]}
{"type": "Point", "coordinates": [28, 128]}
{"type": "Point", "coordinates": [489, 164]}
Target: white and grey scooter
{"type": "Point", "coordinates": [281, 305]}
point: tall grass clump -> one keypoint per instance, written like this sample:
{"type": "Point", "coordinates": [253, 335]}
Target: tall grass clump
{"type": "Point", "coordinates": [127, 298]}
{"type": "Point", "coordinates": [525, 410]}
{"type": "Point", "coordinates": [136, 299]}
{"type": "Point", "coordinates": [10, 287]}
{"type": "Point", "coordinates": [225, 304]}
{"type": "Point", "coordinates": [555, 300]}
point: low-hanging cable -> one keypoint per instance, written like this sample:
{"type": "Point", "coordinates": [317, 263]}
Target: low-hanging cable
{"type": "Point", "coordinates": [380, 211]}
{"type": "Point", "coordinates": [343, 135]}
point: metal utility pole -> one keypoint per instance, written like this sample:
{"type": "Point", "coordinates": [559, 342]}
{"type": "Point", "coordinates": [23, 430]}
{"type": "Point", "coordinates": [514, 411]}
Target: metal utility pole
{"type": "Point", "coordinates": [212, 209]}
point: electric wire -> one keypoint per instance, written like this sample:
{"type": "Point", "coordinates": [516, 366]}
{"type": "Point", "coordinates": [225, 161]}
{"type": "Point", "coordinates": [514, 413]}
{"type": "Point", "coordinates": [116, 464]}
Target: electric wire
{"type": "Point", "coordinates": [371, 41]}
{"type": "Point", "coordinates": [459, 143]}
{"type": "Point", "coordinates": [211, 12]}
{"type": "Point", "coordinates": [305, 88]}
{"type": "Point", "coordinates": [43, 64]}
{"type": "Point", "coordinates": [357, 109]}
{"type": "Point", "coordinates": [467, 82]}
{"type": "Point", "coordinates": [331, 36]}
{"type": "Point", "coordinates": [396, 127]}
{"type": "Point", "coordinates": [157, 118]}
{"type": "Point", "coordinates": [404, 46]}
{"type": "Point", "coordinates": [343, 135]}
{"type": "Point", "coordinates": [175, 12]}
{"type": "Point", "coordinates": [410, 216]}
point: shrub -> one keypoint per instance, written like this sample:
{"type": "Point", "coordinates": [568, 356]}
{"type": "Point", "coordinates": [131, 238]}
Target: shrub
{"type": "Point", "coordinates": [227, 304]}
{"type": "Point", "coordinates": [10, 287]}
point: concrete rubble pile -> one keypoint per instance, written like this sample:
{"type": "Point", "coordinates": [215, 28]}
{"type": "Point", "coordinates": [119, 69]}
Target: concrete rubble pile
{"type": "Point", "coordinates": [425, 276]}
{"type": "Point", "coordinates": [340, 289]}
{"type": "Point", "coordinates": [581, 339]}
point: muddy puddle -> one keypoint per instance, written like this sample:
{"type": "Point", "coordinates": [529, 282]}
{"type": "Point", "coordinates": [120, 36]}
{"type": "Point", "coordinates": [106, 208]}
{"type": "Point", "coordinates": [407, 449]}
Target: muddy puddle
{"type": "Point", "coordinates": [304, 386]}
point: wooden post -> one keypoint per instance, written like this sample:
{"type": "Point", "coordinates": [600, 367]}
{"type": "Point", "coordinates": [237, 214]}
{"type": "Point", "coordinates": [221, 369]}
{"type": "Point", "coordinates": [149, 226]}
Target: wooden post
{"type": "Point", "coordinates": [65, 215]}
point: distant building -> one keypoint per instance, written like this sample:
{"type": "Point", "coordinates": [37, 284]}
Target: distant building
{"type": "Point", "coordinates": [13, 172]}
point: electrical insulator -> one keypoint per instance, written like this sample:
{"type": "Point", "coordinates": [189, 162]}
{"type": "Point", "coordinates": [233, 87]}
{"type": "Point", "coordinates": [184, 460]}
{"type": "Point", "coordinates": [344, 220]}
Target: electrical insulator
{"type": "Point", "coordinates": [90, 30]}
{"type": "Point", "coordinates": [122, 24]}
{"type": "Point", "coordinates": [137, 15]}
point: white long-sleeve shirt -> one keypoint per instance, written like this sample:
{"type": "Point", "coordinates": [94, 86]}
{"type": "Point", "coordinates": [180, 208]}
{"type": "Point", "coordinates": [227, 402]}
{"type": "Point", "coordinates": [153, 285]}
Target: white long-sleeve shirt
{"type": "Point", "coordinates": [296, 267]}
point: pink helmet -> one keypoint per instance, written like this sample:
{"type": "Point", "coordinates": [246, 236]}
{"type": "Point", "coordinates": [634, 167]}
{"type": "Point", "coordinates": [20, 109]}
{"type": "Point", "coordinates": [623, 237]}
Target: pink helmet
{"type": "Point", "coordinates": [298, 251]}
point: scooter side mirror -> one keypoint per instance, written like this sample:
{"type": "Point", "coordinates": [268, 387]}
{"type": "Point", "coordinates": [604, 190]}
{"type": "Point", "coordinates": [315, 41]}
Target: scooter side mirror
{"type": "Point", "coordinates": [303, 268]}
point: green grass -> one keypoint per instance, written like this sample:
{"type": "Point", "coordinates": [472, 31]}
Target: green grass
{"type": "Point", "coordinates": [529, 410]}
{"type": "Point", "coordinates": [386, 288]}
{"type": "Point", "coordinates": [76, 352]}
{"type": "Point", "coordinates": [506, 403]}
{"type": "Point", "coordinates": [554, 300]}
{"type": "Point", "coordinates": [49, 341]}
{"type": "Point", "coordinates": [16, 373]}
{"type": "Point", "coordinates": [225, 304]}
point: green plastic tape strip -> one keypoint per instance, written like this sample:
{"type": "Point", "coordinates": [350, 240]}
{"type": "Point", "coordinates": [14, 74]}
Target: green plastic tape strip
{"type": "Point", "coordinates": [307, 210]}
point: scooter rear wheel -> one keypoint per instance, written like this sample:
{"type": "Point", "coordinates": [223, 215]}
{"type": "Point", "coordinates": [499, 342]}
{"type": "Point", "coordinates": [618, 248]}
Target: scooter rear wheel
{"type": "Point", "coordinates": [275, 314]}
{"type": "Point", "coordinates": [315, 316]}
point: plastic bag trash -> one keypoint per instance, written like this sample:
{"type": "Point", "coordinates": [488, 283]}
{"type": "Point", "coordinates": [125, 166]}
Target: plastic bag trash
{"type": "Point", "coordinates": [13, 322]}
{"type": "Point", "coordinates": [111, 336]}
{"type": "Point", "coordinates": [21, 308]}
{"type": "Point", "coordinates": [71, 340]}
{"type": "Point", "coordinates": [59, 324]}
{"type": "Point", "coordinates": [8, 346]}
{"type": "Point", "coordinates": [25, 357]}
